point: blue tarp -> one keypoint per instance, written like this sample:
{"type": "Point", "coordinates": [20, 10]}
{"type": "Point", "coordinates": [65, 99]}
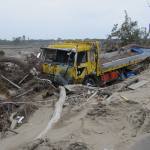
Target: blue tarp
{"type": "Point", "coordinates": [130, 74]}
{"type": "Point", "coordinates": [137, 50]}
{"type": "Point", "coordinates": [140, 50]}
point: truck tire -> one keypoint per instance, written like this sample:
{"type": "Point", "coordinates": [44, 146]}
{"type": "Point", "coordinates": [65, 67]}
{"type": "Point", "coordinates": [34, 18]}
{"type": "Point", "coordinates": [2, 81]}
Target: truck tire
{"type": "Point", "coordinates": [90, 81]}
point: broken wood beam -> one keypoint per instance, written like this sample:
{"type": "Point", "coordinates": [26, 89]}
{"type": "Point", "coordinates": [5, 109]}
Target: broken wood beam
{"type": "Point", "coordinates": [138, 84]}
{"type": "Point", "coordinates": [12, 83]}
{"type": "Point", "coordinates": [127, 84]}
{"type": "Point", "coordinates": [23, 79]}
{"type": "Point", "coordinates": [26, 92]}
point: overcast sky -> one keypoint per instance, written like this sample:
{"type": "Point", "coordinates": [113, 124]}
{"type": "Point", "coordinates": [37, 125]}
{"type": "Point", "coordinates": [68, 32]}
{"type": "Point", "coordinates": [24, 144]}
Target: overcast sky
{"type": "Point", "coordinates": [47, 19]}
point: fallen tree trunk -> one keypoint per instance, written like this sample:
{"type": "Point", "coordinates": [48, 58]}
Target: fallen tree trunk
{"type": "Point", "coordinates": [56, 114]}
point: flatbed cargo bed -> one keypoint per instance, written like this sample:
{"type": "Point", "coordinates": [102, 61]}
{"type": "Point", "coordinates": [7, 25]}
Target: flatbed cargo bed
{"type": "Point", "coordinates": [116, 60]}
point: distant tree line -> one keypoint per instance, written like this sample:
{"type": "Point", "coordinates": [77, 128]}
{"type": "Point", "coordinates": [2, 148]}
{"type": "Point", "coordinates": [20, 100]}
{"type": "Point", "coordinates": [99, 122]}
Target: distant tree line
{"type": "Point", "coordinates": [19, 39]}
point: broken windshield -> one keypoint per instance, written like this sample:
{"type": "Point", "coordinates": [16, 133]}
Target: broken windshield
{"type": "Point", "coordinates": [59, 57]}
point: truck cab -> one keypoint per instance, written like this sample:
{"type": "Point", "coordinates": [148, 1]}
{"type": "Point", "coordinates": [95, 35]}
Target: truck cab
{"type": "Point", "coordinates": [70, 62]}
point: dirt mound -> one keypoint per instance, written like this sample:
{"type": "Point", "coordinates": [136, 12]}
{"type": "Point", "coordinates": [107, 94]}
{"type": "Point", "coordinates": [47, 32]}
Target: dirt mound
{"type": "Point", "coordinates": [140, 121]}
{"type": "Point", "coordinates": [77, 146]}
{"type": "Point", "coordinates": [48, 146]}
{"type": "Point", "coordinates": [129, 113]}
{"type": "Point", "coordinates": [99, 110]}
{"type": "Point", "coordinates": [137, 118]}
{"type": "Point", "coordinates": [146, 125]}
{"type": "Point", "coordinates": [41, 144]}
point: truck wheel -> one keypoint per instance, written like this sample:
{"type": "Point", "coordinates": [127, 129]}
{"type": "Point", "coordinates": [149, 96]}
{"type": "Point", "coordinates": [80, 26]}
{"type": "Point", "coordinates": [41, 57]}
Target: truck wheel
{"type": "Point", "coordinates": [89, 81]}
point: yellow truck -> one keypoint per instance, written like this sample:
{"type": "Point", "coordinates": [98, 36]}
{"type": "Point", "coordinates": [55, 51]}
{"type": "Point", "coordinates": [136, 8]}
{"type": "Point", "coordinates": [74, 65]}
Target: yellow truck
{"type": "Point", "coordinates": [74, 62]}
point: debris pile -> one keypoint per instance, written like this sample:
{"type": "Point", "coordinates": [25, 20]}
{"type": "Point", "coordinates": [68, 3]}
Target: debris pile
{"type": "Point", "coordinates": [17, 92]}
{"type": "Point", "coordinates": [78, 94]}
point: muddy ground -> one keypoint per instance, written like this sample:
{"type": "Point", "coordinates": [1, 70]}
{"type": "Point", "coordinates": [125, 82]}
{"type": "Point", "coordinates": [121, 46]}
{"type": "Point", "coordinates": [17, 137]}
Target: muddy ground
{"type": "Point", "coordinates": [98, 124]}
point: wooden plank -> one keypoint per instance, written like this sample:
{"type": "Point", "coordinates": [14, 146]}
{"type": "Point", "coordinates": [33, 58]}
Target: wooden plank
{"type": "Point", "coordinates": [12, 83]}
{"type": "Point", "coordinates": [137, 85]}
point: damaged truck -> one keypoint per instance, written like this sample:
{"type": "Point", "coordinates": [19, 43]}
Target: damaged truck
{"type": "Point", "coordinates": [84, 62]}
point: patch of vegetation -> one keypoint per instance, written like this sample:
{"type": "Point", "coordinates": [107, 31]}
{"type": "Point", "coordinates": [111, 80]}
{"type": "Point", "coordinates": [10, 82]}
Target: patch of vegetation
{"type": "Point", "coordinates": [127, 33]}
{"type": "Point", "coordinates": [2, 53]}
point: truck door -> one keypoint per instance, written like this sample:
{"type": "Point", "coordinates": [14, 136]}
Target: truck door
{"type": "Point", "coordinates": [92, 60]}
{"type": "Point", "coordinates": [82, 64]}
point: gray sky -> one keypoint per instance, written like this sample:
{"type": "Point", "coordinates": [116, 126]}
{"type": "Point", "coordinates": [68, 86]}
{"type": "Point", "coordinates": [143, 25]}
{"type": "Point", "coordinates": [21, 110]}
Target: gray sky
{"type": "Point", "coordinates": [46, 19]}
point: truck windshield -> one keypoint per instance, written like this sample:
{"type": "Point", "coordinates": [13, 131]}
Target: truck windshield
{"type": "Point", "coordinates": [59, 57]}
